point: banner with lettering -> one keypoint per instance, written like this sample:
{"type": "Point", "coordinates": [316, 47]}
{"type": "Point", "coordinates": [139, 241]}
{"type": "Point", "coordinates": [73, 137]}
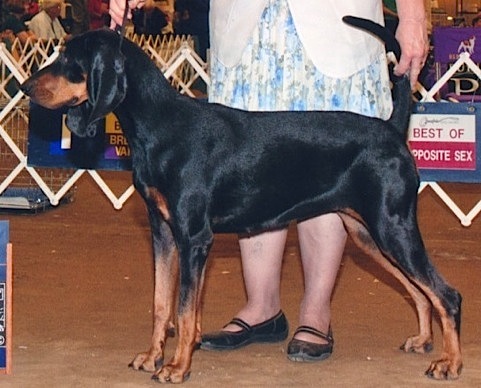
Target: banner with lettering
{"type": "Point", "coordinates": [449, 42]}
{"type": "Point", "coordinates": [445, 141]}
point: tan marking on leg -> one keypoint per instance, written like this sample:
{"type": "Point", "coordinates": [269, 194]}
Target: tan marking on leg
{"type": "Point", "coordinates": [450, 364]}
{"type": "Point", "coordinates": [189, 326]}
{"type": "Point", "coordinates": [166, 278]}
{"type": "Point", "coordinates": [421, 342]}
{"type": "Point", "coordinates": [160, 201]}
{"type": "Point", "coordinates": [198, 321]}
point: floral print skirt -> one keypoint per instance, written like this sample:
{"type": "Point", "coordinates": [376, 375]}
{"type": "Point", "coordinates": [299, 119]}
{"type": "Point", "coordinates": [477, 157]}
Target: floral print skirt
{"type": "Point", "coordinates": [275, 73]}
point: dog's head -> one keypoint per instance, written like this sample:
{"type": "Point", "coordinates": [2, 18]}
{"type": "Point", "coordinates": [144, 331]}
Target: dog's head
{"type": "Point", "coordinates": [88, 77]}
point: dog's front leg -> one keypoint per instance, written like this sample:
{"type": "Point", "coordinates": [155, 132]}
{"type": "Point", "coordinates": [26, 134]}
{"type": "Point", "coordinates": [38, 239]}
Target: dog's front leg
{"type": "Point", "coordinates": [166, 275]}
{"type": "Point", "coordinates": [192, 269]}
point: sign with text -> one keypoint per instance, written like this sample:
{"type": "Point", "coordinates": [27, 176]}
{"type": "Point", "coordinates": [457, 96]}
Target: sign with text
{"type": "Point", "coordinates": [5, 299]}
{"type": "Point", "coordinates": [444, 140]}
{"type": "Point", "coordinates": [449, 42]}
{"type": "Point", "coordinates": [116, 143]}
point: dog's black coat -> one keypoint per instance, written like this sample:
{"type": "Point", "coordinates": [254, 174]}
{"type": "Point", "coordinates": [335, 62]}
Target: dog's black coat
{"type": "Point", "coordinates": [205, 168]}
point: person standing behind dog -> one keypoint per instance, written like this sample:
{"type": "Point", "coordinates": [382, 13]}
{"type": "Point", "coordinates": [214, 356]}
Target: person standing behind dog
{"type": "Point", "coordinates": [46, 24]}
{"type": "Point", "coordinates": [298, 55]}
{"type": "Point", "coordinates": [13, 22]}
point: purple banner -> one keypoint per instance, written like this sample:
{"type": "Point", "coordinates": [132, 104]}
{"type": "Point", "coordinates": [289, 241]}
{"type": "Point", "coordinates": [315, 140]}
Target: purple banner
{"type": "Point", "coordinates": [449, 42]}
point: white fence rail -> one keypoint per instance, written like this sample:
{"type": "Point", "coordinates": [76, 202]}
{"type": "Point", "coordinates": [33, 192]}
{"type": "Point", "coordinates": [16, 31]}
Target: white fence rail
{"type": "Point", "coordinates": [179, 62]}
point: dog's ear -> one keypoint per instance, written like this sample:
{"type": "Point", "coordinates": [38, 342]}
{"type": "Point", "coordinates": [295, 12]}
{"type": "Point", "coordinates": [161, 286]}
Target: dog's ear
{"type": "Point", "coordinates": [106, 83]}
{"type": "Point", "coordinates": [106, 86]}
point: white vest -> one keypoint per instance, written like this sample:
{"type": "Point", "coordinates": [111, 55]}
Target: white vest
{"type": "Point", "coordinates": [337, 50]}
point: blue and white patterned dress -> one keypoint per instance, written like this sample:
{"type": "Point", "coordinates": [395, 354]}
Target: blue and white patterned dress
{"type": "Point", "coordinates": [275, 73]}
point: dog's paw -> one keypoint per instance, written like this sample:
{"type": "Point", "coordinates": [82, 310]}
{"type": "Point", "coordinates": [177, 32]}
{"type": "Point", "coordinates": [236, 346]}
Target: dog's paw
{"type": "Point", "coordinates": [417, 344]}
{"type": "Point", "coordinates": [146, 362]}
{"type": "Point", "coordinates": [171, 374]}
{"type": "Point", "coordinates": [444, 369]}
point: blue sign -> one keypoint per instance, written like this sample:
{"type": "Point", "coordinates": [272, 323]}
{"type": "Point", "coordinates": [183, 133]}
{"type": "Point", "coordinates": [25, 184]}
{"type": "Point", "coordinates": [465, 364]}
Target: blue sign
{"type": "Point", "coordinates": [4, 238]}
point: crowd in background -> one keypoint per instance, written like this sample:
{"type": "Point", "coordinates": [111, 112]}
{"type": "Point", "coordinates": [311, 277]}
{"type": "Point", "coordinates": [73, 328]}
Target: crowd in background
{"type": "Point", "coordinates": [60, 19]}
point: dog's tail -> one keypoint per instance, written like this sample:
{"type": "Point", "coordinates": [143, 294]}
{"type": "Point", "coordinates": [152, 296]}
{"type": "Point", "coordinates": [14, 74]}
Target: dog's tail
{"type": "Point", "coordinates": [402, 88]}
{"type": "Point", "coordinates": [381, 32]}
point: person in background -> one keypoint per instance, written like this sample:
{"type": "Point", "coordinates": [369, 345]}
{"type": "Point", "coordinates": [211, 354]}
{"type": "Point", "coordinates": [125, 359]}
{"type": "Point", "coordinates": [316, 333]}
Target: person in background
{"type": "Point", "coordinates": [13, 25]}
{"type": "Point", "coordinates": [149, 20]}
{"type": "Point", "coordinates": [459, 22]}
{"type": "Point", "coordinates": [31, 9]}
{"type": "Point", "coordinates": [46, 24]}
{"type": "Point", "coordinates": [476, 22]}
{"type": "Point", "coordinates": [98, 14]}
{"type": "Point", "coordinates": [80, 16]}
{"type": "Point", "coordinates": [281, 55]}
{"type": "Point", "coordinates": [116, 11]}
{"type": "Point", "coordinates": [192, 18]}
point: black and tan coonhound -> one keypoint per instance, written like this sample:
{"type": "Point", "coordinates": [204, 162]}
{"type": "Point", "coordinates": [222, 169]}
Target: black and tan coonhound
{"type": "Point", "coordinates": [206, 168]}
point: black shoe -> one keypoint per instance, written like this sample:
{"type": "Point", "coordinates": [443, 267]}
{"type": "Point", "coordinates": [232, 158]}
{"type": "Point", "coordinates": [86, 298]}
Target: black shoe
{"type": "Point", "coordinates": [275, 329]}
{"type": "Point", "coordinates": [304, 351]}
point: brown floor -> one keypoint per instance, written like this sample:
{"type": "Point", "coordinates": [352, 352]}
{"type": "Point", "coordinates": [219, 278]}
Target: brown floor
{"type": "Point", "coordinates": [83, 289]}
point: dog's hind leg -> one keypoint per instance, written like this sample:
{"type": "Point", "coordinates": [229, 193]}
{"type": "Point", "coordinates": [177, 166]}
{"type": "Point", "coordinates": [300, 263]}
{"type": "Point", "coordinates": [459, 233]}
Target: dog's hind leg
{"type": "Point", "coordinates": [399, 240]}
{"type": "Point", "coordinates": [422, 342]}
{"type": "Point", "coordinates": [166, 278]}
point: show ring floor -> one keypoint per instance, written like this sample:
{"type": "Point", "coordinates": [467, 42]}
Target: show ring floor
{"type": "Point", "coordinates": [83, 295]}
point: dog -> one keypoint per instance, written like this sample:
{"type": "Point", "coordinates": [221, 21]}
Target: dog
{"type": "Point", "coordinates": [206, 168]}
{"type": "Point", "coordinates": [467, 46]}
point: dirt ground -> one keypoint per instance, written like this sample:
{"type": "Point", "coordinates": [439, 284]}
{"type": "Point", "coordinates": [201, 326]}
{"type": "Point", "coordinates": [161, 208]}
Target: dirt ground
{"type": "Point", "coordinates": [83, 292]}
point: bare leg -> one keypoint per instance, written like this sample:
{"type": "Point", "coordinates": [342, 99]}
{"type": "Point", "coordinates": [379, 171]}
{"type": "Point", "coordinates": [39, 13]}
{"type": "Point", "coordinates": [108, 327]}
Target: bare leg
{"type": "Point", "coordinates": [261, 265]}
{"type": "Point", "coordinates": [322, 240]}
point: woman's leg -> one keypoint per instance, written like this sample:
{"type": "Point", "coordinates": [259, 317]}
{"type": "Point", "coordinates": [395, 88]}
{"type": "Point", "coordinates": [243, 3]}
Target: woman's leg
{"type": "Point", "coordinates": [261, 266]}
{"type": "Point", "coordinates": [322, 240]}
